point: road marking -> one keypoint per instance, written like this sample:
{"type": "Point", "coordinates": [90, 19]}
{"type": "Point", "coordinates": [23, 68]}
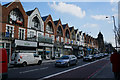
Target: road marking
{"type": "Point", "coordinates": [13, 68]}
{"type": "Point", "coordinates": [70, 69]}
{"type": "Point", "coordinates": [97, 71]}
{"type": "Point", "coordinates": [33, 70]}
{"type": "Point", "coordinates": [44, 68]}
{"type": "Point", "coordinates": [28, 71]}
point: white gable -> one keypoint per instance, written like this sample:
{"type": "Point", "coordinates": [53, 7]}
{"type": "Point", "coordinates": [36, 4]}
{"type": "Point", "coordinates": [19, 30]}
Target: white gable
{"type": "Point", "coordinates": [35, 13]}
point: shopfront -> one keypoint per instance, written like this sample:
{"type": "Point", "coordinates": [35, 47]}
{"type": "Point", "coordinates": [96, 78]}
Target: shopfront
{"type": "Point", "coordinates": [85, 50]}
{"type": "Point", "coordinates": [58, 49]}
{"type": "Point", "coordinates": [7, 46]}
{"type": "Point", "coordinates": [81, 51]}
{"type": "Point", "coordinates": [45, 50]}
{"type": "Point", "coordinates": [68, 50]}
{"type": "Point", "coordinates": [25, 46]}
{"type": "Point", "coordinates": [75, 50]}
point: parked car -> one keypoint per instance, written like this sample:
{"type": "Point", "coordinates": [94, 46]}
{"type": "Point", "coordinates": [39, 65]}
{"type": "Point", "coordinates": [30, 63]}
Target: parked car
{"type": "Point", "coordinates": [106, 54]}
{"type": "Point", "coordinates": [101, 55]}
{"type": "Point", "coordinates": [96, 56]}
{"type": "Point", "coordinates": [25, 59]}
{"type": "Point", "coordinates": [3, 64]}
{"type": "Point", "coordinates": [66, 60]}
{"type": "Point", "coordinates": [88, 58]}
{"type": "Point", "coordinates": [79, 56]}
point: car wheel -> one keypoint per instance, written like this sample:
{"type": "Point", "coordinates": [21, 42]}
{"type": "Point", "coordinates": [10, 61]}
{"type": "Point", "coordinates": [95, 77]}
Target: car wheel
{"type": "Point", "coordinates": [68, 64]}
{"type": "Point", "coordinates": [76, 62]}
{"type": "Point", "coordinates": [39, 62]}
{"type": "Point", "coordinates": [24, 64]}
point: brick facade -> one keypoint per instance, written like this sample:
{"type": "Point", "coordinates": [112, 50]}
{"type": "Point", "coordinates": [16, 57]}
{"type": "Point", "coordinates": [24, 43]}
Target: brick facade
{"type": "Point", "coordinates": [5, 13]}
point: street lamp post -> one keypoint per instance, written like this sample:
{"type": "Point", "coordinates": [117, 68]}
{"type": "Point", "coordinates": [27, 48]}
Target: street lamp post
{"type": "Point", "coordinates": [115, 29]}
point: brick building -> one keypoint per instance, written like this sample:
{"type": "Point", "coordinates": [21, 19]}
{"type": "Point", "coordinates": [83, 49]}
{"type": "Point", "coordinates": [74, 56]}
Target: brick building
{"type": "Point", "coordinates": [28, 31]}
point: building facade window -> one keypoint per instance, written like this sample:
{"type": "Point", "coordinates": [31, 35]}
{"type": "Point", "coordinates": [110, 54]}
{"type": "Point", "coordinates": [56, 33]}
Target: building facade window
{"type": "Point", "coordinates": [52, 38]}
{"type": "Point", "coordinates": [73, 36]}
{"type": "Point", "coordinates": [49, 28]}
{"type": "Point", "coordinates": [16, 17]}
{"type": "Point", "coordinates": [31, 34]}
{"type": "Point", "coordinates": [36, 22]}
{"type": "Point", "coordinates": [59, 31]}
{"type": "Point", "coordinates": [9, 31]}
{"type": "Point", "coordinates": [78, 38]}
{"type": "Point", "coordinates": [67, 34]}
{"type": "Point", "coordinates": [21, 33]}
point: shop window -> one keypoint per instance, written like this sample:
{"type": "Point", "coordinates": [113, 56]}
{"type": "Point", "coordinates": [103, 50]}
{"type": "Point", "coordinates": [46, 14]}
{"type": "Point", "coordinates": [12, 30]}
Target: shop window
{"type": "Point", "coordinates": [16, 17]}
{"type": "Point", "coordinates": [21, 34]}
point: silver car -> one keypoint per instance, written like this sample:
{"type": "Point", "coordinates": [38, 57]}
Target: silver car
{"type": "Point", "coordinates": [66, 60]}
{"type": "Point", "coordinates": [88, 57]}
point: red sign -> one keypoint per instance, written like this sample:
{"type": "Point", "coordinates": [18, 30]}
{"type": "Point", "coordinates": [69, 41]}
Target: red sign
{"type": "Point", "coordinates": [20, 22]}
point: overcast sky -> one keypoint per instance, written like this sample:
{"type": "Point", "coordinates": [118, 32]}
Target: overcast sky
{"type": "Point", "coordinates": [89, 17]}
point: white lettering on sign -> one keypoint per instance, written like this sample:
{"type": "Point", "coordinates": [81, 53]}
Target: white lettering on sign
{"type": "Point", "coordinates": [43, 44]}
{"type": "Point", "coordinates": [67, 47]}
{"type": "Point", "coordinates": [25, 43]}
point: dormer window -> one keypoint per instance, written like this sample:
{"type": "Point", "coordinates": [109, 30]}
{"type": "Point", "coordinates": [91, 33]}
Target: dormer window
{"type": "Point", "coordinates": [16, 17]}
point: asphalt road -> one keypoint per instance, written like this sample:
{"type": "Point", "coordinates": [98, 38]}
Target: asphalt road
{"type": "Point", "coordinates": [49, 71]}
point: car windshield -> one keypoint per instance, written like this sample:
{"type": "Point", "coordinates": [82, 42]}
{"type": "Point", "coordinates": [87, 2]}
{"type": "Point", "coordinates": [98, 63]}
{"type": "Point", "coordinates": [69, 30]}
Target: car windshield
{"type": "Point", "coordinates": [64, 57]}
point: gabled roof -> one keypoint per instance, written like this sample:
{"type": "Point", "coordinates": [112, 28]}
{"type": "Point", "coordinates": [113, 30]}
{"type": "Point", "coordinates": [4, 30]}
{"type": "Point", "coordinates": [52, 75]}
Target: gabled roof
{"type": "Point", "coordinates": [56, 22]}
{"type": "Point", "coordinates": [76, 31]}
{"type": "Point", "coordinates": [29, 12]}
{"type": "Point", "coordinates": [44, 17]}
{"type": "Point", "coordinates": [6, 5]}
{"type": "Point", "coordinates": [64, 26]}
{"type": "Point", "coordinates": [80, 32]}
{"type": "Point", "coordinates": [70, 28]}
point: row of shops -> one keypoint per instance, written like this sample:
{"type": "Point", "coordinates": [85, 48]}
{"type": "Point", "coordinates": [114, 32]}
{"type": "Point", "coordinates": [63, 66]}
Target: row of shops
{"type": "Point", "coordinates": [46, 50]}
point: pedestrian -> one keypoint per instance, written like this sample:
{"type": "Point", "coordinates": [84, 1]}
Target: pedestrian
{"type": "Point", "coordinates": [115, 60]}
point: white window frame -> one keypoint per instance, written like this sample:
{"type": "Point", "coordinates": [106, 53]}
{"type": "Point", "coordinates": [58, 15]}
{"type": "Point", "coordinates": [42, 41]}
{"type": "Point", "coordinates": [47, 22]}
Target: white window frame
{"type": "Point", "coordinates": [10, 26]}
{"type": "Point", "coordinates": [32, 34]}
{"type": "Point", "coordinates": [21, 33]}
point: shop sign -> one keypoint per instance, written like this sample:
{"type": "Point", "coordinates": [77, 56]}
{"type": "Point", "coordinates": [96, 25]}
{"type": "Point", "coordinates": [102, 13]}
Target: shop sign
{"type": "Point", "coordinates": [47, 50]}
{"type": "Point", "coordinates": [40, 49]}
{"type": "Point", "coordinates": [50, 45]}
{"type": "Point", "coordinates": [25, 43]}
{"type": "Point", "coordinates": [44, 44]}
{"type": "Point", "coordinates": [67, 46]}
{"type": "Point", "coordinates": [41, 44]}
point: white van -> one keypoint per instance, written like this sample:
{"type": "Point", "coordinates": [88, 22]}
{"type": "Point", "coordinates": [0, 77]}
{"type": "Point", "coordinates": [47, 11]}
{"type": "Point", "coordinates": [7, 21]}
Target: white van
{"type": "Point", "coordinates": [25, 59]}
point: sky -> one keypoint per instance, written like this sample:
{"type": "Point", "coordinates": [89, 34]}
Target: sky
{"type": "Point", "coordinates": [88, 17]}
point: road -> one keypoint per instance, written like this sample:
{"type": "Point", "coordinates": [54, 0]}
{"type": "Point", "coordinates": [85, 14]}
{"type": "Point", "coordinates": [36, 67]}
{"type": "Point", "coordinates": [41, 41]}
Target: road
{"type": "Point", "coordinates": [83, 70]}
